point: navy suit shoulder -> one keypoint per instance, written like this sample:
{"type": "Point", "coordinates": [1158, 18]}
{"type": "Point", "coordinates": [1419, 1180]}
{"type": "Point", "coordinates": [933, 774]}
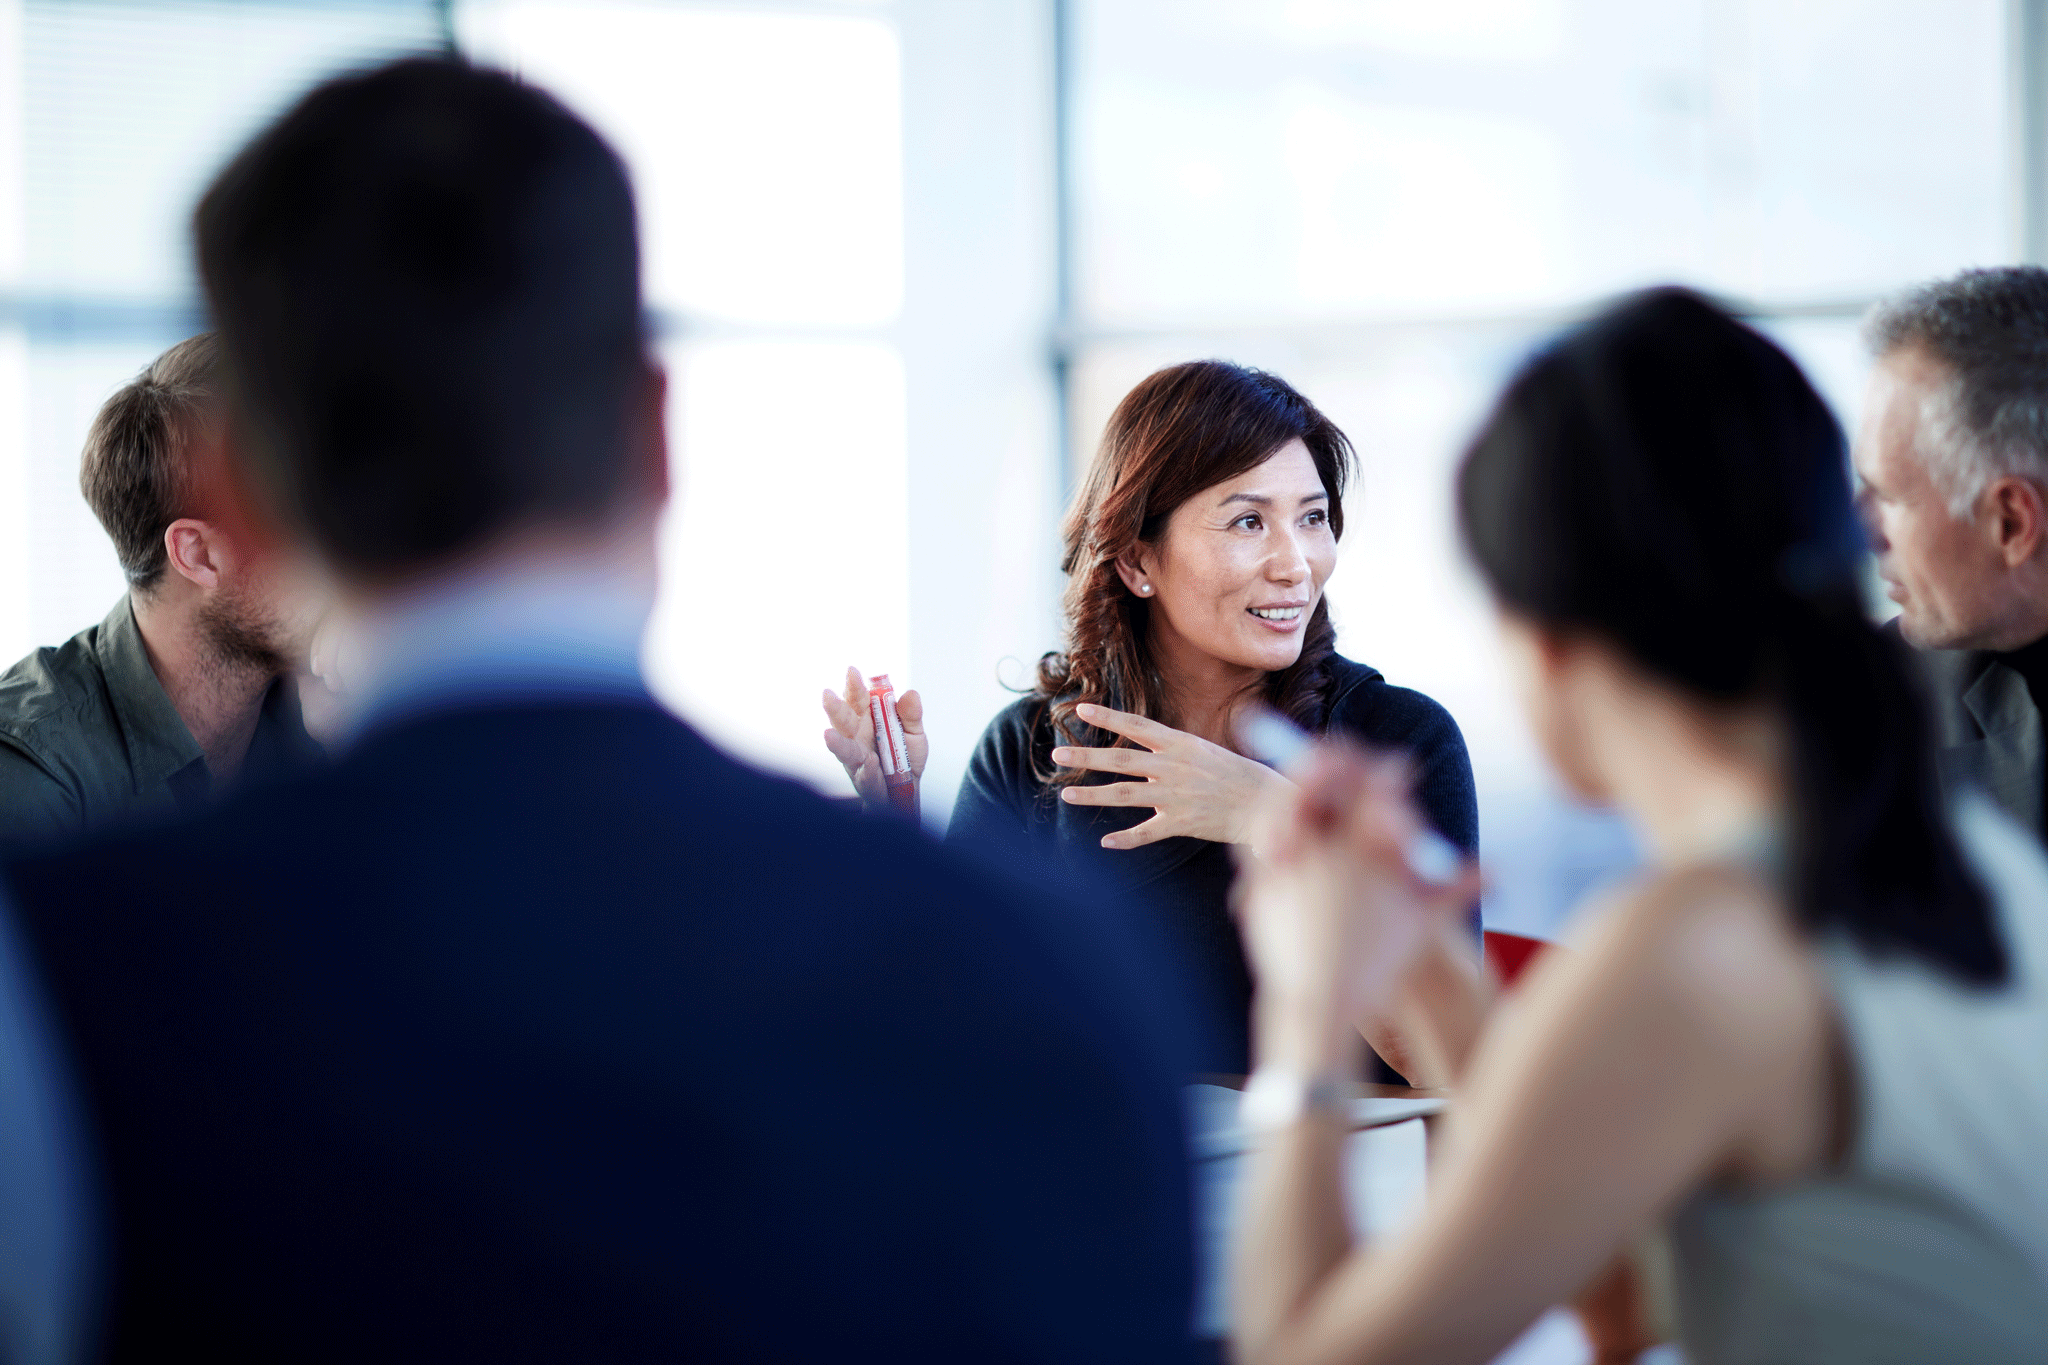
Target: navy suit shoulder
{"type": "Point", "coordinates": [552, 1031]}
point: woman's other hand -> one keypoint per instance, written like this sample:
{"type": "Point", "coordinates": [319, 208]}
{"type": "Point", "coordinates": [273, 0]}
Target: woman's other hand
{"type": "Point", "coordinates": [1333, 916]}
{"type": "Point", "coordinates": [852, 736]}
{"type": "Point", "coordinates": [1196, 789]}
{"type": "Point", "coordinates": [324, 682]}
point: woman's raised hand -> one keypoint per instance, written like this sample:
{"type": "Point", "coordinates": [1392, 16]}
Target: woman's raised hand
{"type": "Point", "coordinates": [1332, 913]}
{"type": "Point", "coordinates": [1195, 788]}
{"type": "Point", "coordinates": [852, 736]}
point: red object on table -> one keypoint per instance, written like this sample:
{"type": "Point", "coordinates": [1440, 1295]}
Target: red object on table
{"type": "Point", "coordinates": [1510, 954]}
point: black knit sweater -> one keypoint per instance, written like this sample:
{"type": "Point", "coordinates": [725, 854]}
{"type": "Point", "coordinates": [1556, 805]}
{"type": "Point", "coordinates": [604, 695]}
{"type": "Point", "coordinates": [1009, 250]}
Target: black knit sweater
{"type": "Point", "coordinates": [1183, 884]}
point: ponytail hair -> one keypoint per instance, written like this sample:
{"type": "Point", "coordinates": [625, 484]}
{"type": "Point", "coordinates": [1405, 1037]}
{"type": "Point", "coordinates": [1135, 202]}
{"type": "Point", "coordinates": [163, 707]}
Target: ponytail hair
{"type": "Point", "coordinates": [1665, 477]}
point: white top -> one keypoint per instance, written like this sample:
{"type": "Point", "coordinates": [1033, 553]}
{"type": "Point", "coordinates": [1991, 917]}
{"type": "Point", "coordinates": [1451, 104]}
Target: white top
{"type": "Point", "coordinates": [1931, 1241]}
{"type": "Point", "coordinates": [1953, 1082]}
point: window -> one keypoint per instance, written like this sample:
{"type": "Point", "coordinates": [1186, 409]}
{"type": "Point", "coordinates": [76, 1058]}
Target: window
{"type": "Point", "coordinates": [115, 117]}
{"type": "Point", "coordinates": [766, 149]}
{"type": "Point", "coordinates": [847, 213]}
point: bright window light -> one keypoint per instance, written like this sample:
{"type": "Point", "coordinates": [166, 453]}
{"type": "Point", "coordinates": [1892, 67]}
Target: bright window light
{"type": "Point", "coordinates": [1404, 209]}
{"type": "Point", "coordinates": [71, 574]}
{"type": "Point", "coordinates": [1471, 30]}
{"type": "Point", "coordinates": [767, 149]}
{"type": "Point", "coordinates": [786, 555]}
{"type": "Point", "coordinates": [1267, 162]}
{"type": "Point", "coordinates": [767, 153]}
{"type": "Point", "coordinates": [130, 109]}
{"type": "Point", "coordinates": [17, 514]}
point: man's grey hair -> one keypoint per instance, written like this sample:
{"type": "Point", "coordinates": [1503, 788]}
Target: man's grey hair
{"type": "Point", "coordinates": [1989, 329]}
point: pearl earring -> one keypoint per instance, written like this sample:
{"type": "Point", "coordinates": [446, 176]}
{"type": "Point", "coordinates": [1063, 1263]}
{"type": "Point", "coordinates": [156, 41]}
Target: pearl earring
{"type": "Point", "coordinates": [1144, 589]}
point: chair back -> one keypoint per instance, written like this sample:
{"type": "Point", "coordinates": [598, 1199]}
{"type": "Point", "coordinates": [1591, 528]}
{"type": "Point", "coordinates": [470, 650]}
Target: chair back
{"type": "Point", "coordinates": [1510, 954]}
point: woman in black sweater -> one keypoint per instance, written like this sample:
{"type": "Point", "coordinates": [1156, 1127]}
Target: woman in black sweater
{"type": "Point", "coordinates": [1196, 554]}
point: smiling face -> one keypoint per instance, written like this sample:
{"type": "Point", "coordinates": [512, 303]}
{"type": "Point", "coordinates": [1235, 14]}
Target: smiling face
{"type": "Point", "coordinates": [1240, 567]}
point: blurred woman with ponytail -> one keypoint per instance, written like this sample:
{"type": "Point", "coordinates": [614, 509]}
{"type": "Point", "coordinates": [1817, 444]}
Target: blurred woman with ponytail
{"type": "Point", "coordinates": [1812, 1036]}
{"type": "Point", "coordinates": [1196, 553]}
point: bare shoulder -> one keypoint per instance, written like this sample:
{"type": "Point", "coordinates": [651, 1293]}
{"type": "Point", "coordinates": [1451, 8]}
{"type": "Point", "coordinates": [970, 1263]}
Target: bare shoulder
{"type": "Point", "coordinates": [1717, 944]}
{"type": "Point", "coordinates": [1696, 988]}
{"type": "Point", "coordinates": [1707, 966]}
{"type": "Point", "coordinates": [1701, 967]}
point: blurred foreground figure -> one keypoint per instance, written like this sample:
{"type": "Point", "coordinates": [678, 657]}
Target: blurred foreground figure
{"type": "Point", "coordinates": [537, 1029]}
{"type": "Point", "coordinates": [186, 685]}
{"type": "Point", "coordinates": [1953, 457]}
{"type": "Point", "coordinates": [1811, 1034]}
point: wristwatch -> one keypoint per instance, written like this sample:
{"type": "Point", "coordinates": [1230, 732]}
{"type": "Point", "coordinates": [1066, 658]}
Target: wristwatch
{"type": "Point", "coordinates": [1274, 1099]}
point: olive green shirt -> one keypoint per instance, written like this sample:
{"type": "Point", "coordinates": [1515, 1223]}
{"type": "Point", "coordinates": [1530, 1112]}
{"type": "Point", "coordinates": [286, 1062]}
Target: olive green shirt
{"type": "Point", "coordinates": [88, 737]}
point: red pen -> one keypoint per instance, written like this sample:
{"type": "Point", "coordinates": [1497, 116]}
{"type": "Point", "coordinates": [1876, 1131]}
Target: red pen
{"type": "Point", "coordinates": [890, 746]}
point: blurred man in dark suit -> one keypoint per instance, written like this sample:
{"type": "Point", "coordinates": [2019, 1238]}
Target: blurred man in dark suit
{"type": "Point", "coordinates": [536, 1028]}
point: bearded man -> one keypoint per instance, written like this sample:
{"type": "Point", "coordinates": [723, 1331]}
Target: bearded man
{"type": "Point", "coordinates": [187, 685]}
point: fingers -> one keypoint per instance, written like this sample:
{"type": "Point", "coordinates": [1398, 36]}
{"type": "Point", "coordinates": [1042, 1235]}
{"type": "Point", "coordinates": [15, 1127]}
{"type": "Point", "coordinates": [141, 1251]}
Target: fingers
{"type": "Point", "coordinates": [1330, 780]}
{"type": "Point", "coordinates": [1385, 826]}
{"type": "Point", "coordinates": [1448, 903]}
{"type": "Point", "coordinates": [1279, 833]}
{"type": "Point", "coordinates": [844, 718]}
{"type": "Point", "coordinates": [1149, 733]}
{"type": "Point", "coordinates": [1112, 794]}
{"type": "Point", "coordinates": [1137, 836]}
{"type": "Point", "coordinates": [1305, 807]}
{"type": "Point", "coordinates": [1135, 761]}
{"type": "Point", "coordinates": [848, 751]}
{"type": "Point", "coordinates": [910, 711]}
{"type": "Point", "coordinates": [851, 739]}
{"type": "Point", "coordinates": [1386, 831]}
{"type": "Point", "coordinates": [1462, 894]}
{"type": "Point", "coordinates": [861, 767]}
{"type": "Point", "coordinates": [851, 719]}
{"type": "Point", "coordinates": [1353, 800]}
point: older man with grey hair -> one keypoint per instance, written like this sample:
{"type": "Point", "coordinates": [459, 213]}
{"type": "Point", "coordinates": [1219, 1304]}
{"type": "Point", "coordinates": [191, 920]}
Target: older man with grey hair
{"type": "Point", "coordinates": [1952, 455]}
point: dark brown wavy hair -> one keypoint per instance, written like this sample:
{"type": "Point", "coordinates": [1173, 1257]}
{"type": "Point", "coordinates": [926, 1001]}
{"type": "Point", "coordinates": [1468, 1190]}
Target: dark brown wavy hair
{"type": "Point", "coordinates": [1181, 430]}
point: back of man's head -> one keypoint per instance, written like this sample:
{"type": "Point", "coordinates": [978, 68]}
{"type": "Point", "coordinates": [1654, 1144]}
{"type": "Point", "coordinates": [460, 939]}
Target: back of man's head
{"type": "Point", "coordinates": [137, 471]}
{"type": "Point", "coordinates": [1989, 330]}
{"type": "Point", "coordinates": [426, 279]}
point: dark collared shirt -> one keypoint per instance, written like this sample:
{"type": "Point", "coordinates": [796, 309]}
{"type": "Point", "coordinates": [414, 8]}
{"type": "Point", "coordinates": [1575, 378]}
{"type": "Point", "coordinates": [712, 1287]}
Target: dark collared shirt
{"type": "Point", "coordinates": [1988, 728]}
{"type": "Point", "coordinates": [88, 737]}
{"type": "Point", "coordinates": [2031, 663]}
